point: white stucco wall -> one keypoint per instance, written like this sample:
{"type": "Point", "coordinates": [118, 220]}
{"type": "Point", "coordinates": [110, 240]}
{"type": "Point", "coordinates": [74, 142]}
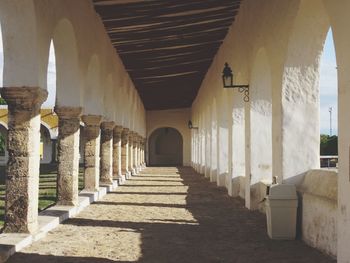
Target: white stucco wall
{"type": "Point", "coordinates": [95, 78]}
{"type": "Point", "coordinates": [318, 210]}
{"type": "Point", "coordinates": [177, 119]}
{"type": "Point", "coordinates": [285, 138]}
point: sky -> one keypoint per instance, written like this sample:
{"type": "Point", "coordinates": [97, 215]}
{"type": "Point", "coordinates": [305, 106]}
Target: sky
{"type": "Point", "coordinates": [328, 87]}
{"type": "Point", "coordinates": [328, 83]}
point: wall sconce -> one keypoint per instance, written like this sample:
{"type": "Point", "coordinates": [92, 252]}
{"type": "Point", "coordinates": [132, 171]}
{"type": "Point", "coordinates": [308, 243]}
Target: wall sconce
{"type": "Point", "coordinates": [227, 79]}
{"type": "Point", "coordinates": [190, 126]}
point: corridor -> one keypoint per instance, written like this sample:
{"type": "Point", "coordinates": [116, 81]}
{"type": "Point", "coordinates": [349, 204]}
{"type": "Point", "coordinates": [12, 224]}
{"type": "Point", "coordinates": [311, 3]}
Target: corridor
{"type": "Point", "coordinates": [166, 215]}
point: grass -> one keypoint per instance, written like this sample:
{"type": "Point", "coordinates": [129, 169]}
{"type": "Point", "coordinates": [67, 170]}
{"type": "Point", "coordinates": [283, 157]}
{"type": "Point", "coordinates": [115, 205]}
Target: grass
{"type": "Point", "coordinates": [47, 187]}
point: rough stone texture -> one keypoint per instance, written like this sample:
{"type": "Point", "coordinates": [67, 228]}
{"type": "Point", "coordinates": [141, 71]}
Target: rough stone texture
{"type": "Point", "coordinates": [92, 151]}
{"type": "Point", "coordinates": [22, 179]}
{"type": "Point", "coordinates": [68, 155]}
{"type": "Point", "coordinates": [117, 169]}
{"type": "Point", "coordinates": [167, 215]}
{"type": "Point", "coordinates": [135, 151]}
{"type": "Point", "coordinates": [319, 202]}
{"type": "Point", "coordinates": [106, 168]}
{"type": "Point", "coordinates": [125, 152]}
{"type": "Point", "coordinates": [131, 153]}
{"type": "Point", "coordinates": [143, 156]}
{"type": "Point", "coordinates": [139, 153]}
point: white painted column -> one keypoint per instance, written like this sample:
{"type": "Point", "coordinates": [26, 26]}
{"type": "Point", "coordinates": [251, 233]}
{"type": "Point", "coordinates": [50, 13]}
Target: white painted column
{"type": "Point", "coordinates": [214, 145]}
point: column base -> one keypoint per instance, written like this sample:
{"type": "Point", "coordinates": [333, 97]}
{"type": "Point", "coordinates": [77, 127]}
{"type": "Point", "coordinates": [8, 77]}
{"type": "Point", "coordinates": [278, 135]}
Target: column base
{"type": "Point", "coordinates": [128, 175]}
{"type": "Point", "coordinates": [121, 179]}
{"type": "Point", "coordinates": [67, 203]}
{"type": "Point", "coordinates": [106, 182]}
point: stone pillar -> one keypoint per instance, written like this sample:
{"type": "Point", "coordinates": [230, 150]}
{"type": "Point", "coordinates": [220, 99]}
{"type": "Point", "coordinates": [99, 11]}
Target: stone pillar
{"type": "Point", "coordinates": [135, 150]}
{"type": "Point", "coordinates": [143, 152]}
{"type": "Point", "coordinates": [117, 165]}
{"type": "Point", "coordinates": [131, 153]}
{"type": "Point", "coordinates": [92, 152]}
{"type": "Point", "coordinates": [68, 155]}
{"type": "Point", "coordinates": [139, 153]}
{"type": "Point", "coordinates": [22, 173]}
{"type": "Point", "coordinates": [125, 152]}
{"type": "Point", "coordinates": [106, 165]}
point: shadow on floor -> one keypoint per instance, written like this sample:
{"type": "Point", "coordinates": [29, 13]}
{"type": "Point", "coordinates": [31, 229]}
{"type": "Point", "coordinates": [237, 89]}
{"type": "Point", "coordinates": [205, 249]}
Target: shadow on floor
{"type": "Point", "coordinates": [224, 231]}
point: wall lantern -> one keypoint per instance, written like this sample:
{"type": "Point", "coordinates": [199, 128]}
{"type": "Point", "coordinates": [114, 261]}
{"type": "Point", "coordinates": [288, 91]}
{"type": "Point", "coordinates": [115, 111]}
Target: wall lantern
{"type": "Point", "coordinates": [190, 126]}
{"type": "Point", "coordinates": [227, 79]}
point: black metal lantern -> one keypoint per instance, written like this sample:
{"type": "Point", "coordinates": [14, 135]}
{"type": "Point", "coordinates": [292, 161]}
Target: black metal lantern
{"type": "Point", "coordinates": [227, 76]}
{"type": "Point", "coordinates": [227, 79]}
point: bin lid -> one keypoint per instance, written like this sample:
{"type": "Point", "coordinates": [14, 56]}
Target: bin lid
{"type": "Point", "coordinates": [282, 191]}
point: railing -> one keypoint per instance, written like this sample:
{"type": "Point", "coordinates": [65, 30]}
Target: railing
{"type": "Point", "coordinates": [329, 161]}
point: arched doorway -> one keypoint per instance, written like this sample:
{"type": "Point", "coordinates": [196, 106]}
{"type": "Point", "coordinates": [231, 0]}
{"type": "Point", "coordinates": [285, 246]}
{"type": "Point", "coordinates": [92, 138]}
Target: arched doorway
{"type": "Point", "coordinates": [165, 147]}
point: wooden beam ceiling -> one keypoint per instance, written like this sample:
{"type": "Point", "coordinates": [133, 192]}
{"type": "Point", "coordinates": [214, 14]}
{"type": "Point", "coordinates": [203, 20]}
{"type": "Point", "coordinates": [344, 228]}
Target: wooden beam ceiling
{"type": "Point", "coordinates": [167, 46]}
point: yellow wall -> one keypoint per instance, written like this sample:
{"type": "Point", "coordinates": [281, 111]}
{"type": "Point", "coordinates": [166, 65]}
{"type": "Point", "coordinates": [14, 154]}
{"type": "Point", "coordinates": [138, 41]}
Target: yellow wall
{"type": "Point", "coordinates": [47, 116]}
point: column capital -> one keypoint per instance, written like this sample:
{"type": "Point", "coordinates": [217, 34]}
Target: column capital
{"type": "Point", "coordinates": [125, 132]}
{"type": "Point", "coordinates": [132, 134]}
{"type": "Point", "coordinates": [108, 125]}
{"type": "Point", "coordinates": [117, 130]}
{"type": "Point", "coordinates": [64, 112]}
{"type": "Point", "coordinates": [24, 98]}
{"type": "Point", "coordinates": [92, 120]}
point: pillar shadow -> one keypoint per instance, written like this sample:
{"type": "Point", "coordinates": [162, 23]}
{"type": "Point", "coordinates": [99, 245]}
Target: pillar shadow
{"type": "Point", "coordinates": [222, 231]}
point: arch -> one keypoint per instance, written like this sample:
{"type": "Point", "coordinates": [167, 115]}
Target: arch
{"type": "Point", "coordinates": [214, 145]}
{"type": "Point", "coordinates": [52, 131]}
{"type": "Point", "coordinates": [222, 138]}
{"type": "Point", "coordinates": [21, 68]}
{"type": "Point", "coordinates": [93, 101]}
{"type": "Point", "coordinates": [46, 146]}
{"type": "Point", "coordinates": [259, 127]}
{"type": "Point", "coordinates": [68, 85]}
{"type": "Point", "coordinates": [109, 99]}
{"type": "Point", "coordinates": [51, 78]}
{"type": "Point", "coordinates": [165, 147]}
{"type": "Point", "coordinates": [299, 102]}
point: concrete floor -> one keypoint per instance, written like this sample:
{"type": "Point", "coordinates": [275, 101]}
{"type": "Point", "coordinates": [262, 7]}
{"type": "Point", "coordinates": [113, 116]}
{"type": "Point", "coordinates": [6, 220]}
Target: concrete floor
{"type": "Point", "coordinates": [166, 215]}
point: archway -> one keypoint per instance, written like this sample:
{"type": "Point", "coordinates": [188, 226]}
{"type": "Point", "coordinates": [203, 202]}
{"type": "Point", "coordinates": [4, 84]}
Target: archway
{"type": "Point", "coordinates": [259, 130]}
{"type": "Point", "coordinates": [46, 148]}
{"type": "Point", "coordinates": [165, 147]}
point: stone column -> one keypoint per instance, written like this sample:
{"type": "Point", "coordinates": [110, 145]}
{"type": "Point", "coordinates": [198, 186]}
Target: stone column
{"type": "Point", "coordinates": [22, 173]}
{"type": "Point", "coordinates": [135, 150]}
{"type": "Point", "coordinates": [117, 165]}
{"type": "Point", "coordinates": [139, 153]}
{"type": "Point", "coordinates": [92, 152]}
{"type": "Point", "coordinates": [106, 165]}
{"type": "Point", "coordinates": [124, 152]}
{"type": "Point", "coordinates": [131, 155]}
{"type": "Point", "coordinates": [142, 152]}
{"type": "Point", "coordinates": [68, 155]}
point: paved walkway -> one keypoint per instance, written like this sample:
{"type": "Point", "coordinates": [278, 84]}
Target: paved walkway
{"type": "Point", "coordinates": [166, 215]}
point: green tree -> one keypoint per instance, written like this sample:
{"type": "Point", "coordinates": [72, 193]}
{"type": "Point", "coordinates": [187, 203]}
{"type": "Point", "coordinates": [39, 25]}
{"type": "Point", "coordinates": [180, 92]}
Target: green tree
{"type": "Point", "coordinates": [328, 145]}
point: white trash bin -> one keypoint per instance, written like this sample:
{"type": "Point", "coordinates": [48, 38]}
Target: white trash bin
{"type": "Point", "coordinates": [281, 211]}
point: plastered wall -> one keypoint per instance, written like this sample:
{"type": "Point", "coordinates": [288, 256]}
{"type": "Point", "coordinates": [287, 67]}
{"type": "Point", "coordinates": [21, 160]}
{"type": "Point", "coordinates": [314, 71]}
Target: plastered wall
{"type": "Point", "coordinates": [177, 119]}
{"type": "Point", "coordinates": [275, 47]}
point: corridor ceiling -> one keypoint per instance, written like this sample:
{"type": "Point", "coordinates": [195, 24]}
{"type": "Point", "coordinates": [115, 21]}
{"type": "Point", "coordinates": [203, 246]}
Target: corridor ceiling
{"type": "Point", "coordinates": [167, 46]}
